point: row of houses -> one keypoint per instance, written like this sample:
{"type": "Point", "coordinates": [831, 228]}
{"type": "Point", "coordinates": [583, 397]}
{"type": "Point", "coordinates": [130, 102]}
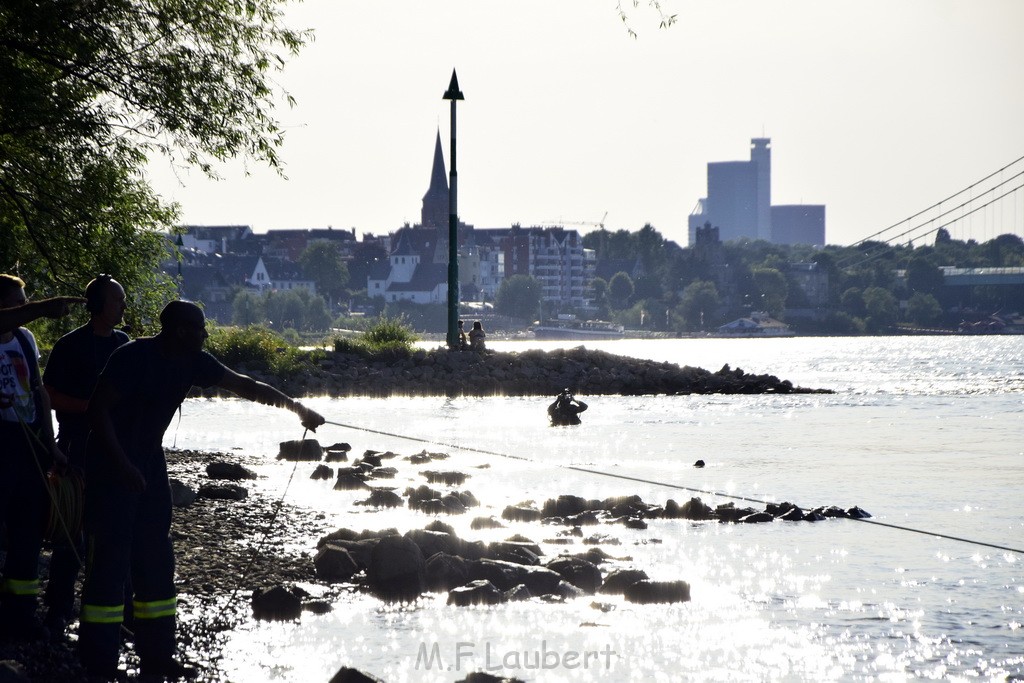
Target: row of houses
{"type": "Point", "coordinates": [411, 263]}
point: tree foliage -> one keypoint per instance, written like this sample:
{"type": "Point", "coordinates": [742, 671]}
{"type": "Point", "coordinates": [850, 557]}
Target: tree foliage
{"type": "Point", "coordinates": [518, 297]}
{"type": "Point", "coordinates": [699, 303]}
{"type": "Point", "coordinates": [620, 289]}
{"type": "Point", "coordinates": [90, 92]}
{"type": "Point", "coordinates": [322, 262]}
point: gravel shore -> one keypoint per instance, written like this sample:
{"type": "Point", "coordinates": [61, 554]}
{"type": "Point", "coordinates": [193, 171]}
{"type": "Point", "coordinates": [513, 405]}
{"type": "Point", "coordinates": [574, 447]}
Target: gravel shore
{"type": "Point", "coordinates": [224, 550]}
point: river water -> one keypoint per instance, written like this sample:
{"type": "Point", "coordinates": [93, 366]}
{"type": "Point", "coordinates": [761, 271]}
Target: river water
{"type": "Point", "coordinates": [922, 432]}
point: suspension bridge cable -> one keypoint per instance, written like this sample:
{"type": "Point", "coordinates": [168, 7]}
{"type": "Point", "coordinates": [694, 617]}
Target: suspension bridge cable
{"type": "Point", "coordinates": [653, 482]}
{"type": "Point", "coordinates": [940, 203]}
{"type": "Point", "coordinates": [932, 229]}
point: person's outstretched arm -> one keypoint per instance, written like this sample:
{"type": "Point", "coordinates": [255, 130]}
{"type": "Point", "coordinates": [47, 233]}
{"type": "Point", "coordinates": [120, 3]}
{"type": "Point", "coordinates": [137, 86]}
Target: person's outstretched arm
{"type": "Point", "coordinates": [56, 307]}
{"type": "Point", "coordinates": [248, 388]}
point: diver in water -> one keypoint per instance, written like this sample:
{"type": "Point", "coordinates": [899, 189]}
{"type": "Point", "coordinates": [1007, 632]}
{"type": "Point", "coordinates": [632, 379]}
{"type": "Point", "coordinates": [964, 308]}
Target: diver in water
{"type": "Point", "coordinates": [566, 409]}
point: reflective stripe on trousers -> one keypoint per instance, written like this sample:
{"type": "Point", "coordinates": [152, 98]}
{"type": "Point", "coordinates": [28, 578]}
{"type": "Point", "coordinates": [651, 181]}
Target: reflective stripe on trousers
{"type": "Point", "coordinates": [155, 609]}
{"type": "Point", "coordinates": [103, 614]}
{"type": "Point", "coordinates": [21, 587]}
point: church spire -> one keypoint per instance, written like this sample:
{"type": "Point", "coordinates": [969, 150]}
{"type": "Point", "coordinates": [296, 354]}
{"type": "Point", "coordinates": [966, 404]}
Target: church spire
{"type": "Point", "coordinates": [435, 201]}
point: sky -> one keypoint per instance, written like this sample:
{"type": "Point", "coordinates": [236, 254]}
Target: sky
{"type": "Point", "coordinates": [875, 108]}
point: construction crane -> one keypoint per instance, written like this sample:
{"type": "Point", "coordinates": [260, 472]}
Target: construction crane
{"type": "Point", "coordinates": [595, 224]}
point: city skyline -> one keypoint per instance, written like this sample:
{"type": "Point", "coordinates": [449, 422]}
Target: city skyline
{"type": "Point", "coordinates": [875, 109]}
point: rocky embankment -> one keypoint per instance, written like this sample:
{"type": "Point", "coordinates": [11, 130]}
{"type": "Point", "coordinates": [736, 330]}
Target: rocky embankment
{"type": "Point", "coordinates": [439, 372]}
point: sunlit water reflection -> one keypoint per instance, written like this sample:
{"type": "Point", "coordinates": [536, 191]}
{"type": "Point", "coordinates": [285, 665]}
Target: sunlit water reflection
{"type": "Point", "coordinates": [923, 432]}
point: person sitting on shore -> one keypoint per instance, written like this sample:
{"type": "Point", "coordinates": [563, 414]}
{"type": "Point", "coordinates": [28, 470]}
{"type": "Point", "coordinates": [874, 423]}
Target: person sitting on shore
{"type": "Point", "coordinates": [463, 342]}
{"type": "Point", "coordinates": [566, 409]}
{"type": "Point", "coordinates": [476, 337]}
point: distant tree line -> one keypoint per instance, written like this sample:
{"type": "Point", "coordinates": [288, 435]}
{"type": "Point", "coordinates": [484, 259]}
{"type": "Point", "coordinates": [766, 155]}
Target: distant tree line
{"type": "Point", "coordinates": [872, 286]}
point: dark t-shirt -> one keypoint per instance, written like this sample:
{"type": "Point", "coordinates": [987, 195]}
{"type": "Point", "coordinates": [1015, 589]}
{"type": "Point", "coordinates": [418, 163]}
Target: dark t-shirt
{"type": "Point", "coordinates": [151, 387]}
{"type": "Point", "coordinates": [74, 365]}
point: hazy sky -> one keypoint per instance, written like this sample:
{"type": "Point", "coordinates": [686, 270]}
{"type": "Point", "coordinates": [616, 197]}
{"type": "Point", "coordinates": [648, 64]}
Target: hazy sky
{"type": "Point", "coordinates": [875, 108]}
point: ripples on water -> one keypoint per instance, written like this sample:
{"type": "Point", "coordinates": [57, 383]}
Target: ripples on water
{"type": "Point", "coordinates": [922, 432]}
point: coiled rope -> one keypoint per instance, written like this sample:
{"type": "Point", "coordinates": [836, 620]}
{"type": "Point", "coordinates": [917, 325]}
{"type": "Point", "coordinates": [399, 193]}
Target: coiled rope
{"type": "Point", "coordinates": [670, 485]}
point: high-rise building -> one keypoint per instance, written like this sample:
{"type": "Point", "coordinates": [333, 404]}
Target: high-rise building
{"type": "Point", "coordinates": [739, 204]}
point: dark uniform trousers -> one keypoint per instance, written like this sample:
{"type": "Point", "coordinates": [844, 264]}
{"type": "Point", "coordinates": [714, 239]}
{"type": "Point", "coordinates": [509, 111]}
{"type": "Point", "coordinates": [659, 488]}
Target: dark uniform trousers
{"type": "Point", "coordinates": [125, 531]}
{"type": "Point", "coordinates": [23, 505]}
{"type": "Point", "coordinates": [68, 544]}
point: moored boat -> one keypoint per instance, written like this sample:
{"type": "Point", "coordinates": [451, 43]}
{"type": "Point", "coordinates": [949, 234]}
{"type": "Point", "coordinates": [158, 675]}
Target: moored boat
{"type": "Point", "coordinates": [578, 329]}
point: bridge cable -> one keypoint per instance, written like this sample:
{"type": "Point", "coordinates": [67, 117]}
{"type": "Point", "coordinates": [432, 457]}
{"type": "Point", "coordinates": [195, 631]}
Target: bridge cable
{"type": "Point", "coordinates": [868, 259]}
{"type": "Point", "coordinates": [940, 203]}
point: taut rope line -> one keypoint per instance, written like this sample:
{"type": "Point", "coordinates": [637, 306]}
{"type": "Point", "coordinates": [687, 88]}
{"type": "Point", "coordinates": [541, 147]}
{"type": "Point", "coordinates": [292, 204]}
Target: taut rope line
{"type": "Point", "coordinates": [662, 483]}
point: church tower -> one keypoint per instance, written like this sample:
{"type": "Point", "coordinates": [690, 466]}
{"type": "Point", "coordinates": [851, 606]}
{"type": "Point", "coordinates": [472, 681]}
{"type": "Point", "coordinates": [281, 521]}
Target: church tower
{"type": "Point", "coordinates": [434, 213]}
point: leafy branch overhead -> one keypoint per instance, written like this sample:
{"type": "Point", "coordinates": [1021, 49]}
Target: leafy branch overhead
{"type": "Point", "coordinates": [92, 89]}
{"type": "Point", "coordinates": [664, 20]}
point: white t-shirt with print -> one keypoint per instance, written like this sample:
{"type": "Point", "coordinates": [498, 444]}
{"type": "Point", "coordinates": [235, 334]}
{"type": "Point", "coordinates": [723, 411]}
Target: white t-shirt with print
{"type": "Point", "coordinates": [16, 400]}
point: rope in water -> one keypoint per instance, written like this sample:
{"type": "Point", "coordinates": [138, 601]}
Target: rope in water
{"type": "Point", "coordinates": [652, 482]}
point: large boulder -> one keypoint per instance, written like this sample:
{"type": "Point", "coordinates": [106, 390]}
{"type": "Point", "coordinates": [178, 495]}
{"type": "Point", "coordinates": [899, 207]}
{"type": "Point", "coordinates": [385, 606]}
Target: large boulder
{"type": "Point", "coordinates": [276, 603]}
{"type": "Point", "coordinates": [619, 580]}
{"type": "Point", "coordinates": [646, 592]}
{"type": "Point", "coordinates": [382, 498]}
{"type": "Point", "coordinates": [300, 449]}
{"type": "Point", "coordinates": [564, 506]}
{"type": "Point", "coordinates": [334, 564]}
{"type": "Point", "coordinates": [431, 542]}
{"type": "Point", "coordinates": [223, 492]}
{"type": "Point", "coordinates": [580, 573]}
{"type": "Point", "coordinates": [397, 570]}
{"type": "Point", "coordinates": [445, 572]}
{"type": "Point", "coordinates": [182, 495]}
{"type": "Point", "coordinates": [479, 592]}
{"type": "Point", "coordinates": [347, 674]}
{"type": "Point", "coordinates": [229, 470]}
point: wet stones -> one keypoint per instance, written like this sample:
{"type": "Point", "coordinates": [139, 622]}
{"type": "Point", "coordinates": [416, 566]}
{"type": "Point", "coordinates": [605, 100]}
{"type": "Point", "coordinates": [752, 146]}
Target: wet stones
{"type": "Point", "coordinates": [322, 472]}
{"type": "Point", "coordinates": [300, 449]}
{"type": "Point", "coordinates": [618, 581]}
{"type": "Point", "coordinates": [382, 498]}
{"type": "Point", "coordinates": [477, 592]}
{"type": "Point", "coordinates": [397, 570]}
{"type": "Point", "coordinates": [579, 572]}
{"type": "Point", "coordinates": [337, 452]}
{"type": "Point", "coordinates": [334, 564]}
{"type": "Point", "coordinates": [223, 492]}
{"type": "Point", "coordinates": [229, 470]}
{"type": "Point", "coordinates": [646, 592]}
{"type": "Point", "coordinates": [521, 513]}
{"type": "Point", "coordinates": [446, 478]}
{"type": "Point", "coordinates": [276, 603]}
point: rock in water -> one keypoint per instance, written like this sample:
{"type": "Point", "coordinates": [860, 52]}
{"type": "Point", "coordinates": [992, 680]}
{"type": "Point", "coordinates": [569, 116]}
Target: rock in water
{"type": "Point", "coordinates": [300, 449]}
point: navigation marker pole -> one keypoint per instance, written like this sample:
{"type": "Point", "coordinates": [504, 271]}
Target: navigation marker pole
{"type": "Point", "coordinates": [453, 94]}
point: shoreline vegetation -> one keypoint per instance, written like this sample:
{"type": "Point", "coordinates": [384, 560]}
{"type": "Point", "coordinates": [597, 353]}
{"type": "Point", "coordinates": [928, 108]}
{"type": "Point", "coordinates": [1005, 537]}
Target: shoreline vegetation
{"type": "Point", "coordinates": [383, 361]}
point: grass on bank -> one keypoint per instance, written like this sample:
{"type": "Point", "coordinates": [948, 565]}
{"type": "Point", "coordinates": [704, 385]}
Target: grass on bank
{"type": "Point", "coordinates": [258, 348]}
{"type": "Point", "coordinates": [385, 336]}
{"type": "Point", "coordinates": [261, 349]}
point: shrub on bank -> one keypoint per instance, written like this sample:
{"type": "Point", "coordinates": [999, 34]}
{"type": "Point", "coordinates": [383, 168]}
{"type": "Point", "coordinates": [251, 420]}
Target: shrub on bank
{"type": "Point", "coordinates": [384, 337]}
{"type": "Point", "coordinates": [257, 348]}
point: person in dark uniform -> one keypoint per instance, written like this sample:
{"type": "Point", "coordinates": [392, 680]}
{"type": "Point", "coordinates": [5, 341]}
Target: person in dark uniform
{"type": "Point", "coordinates": [70, 377]}
{"type": "Point", "coordinates": [566, 409]}
{"type": "Point", "coordinates": [27, 451]}
{"type": "Point", "coordinates": [128, 501]}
